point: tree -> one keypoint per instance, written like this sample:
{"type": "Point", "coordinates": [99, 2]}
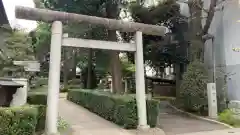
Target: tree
{"type": "Point", "coordinates": [74, 30]}
{"type": "Point", "coordinates": [109, 9]}
{"type": "Point", "coordinates": [198, 34]}
{"type": "Point", "coordinates": [160, 52]}
{"type": "Point", "coordinates": [193, 94]}
{"type": "Point", "coordinates": [41, 40]}
{"type": "Point", "coordinates": [16, 47]}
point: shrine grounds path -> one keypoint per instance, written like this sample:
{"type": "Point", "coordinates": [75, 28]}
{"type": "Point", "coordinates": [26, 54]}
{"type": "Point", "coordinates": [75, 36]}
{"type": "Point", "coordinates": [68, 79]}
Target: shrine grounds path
{"type": "Point", "coordinates": [173, 122]}
{"type": "Point", "coordinates": [83, 122]}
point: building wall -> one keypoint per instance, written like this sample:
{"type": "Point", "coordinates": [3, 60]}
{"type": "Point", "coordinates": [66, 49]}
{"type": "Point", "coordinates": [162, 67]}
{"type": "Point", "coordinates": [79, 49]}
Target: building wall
{"type": "Point", "coordinates": [20, 97]}
{"type": "Point", "coordinates": [226, 31]}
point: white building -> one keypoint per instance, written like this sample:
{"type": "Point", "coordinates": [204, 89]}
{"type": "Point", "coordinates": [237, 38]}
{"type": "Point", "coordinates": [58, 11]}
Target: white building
{"type": "Point", "coordinates": [225, 28]}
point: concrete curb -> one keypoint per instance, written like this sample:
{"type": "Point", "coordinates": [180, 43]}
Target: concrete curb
{"type": "Point", "coordinates": [199, 117]}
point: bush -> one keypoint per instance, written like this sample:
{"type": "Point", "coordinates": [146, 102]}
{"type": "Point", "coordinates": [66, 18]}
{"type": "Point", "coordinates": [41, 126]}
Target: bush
{"type": "Point", "coordinates": [19, 120]}
{"type": "Point", "coordinates": [40, 101]}
{"type": "Point", "coordinates": [193, 90]}
{"type": "Point", "coordinates": [227, 116]}
{"type": "Point", "coordinates": [41, 117]}
{"type": "Point", "coordinates": [37, 99]}
{"type": "Point", "coordinates": [41, 81]}
{"type": "Point", "coordinates": [121, 110]}
{"type": "Point", "coordinates": [75, 82]}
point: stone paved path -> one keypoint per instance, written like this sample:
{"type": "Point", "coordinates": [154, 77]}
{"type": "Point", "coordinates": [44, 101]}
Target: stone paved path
{"type": "Point", "coordinates": [84, 122]}
{"type": "Point", "coordinates": [174, 123]}
{"type": "Point", "coordinates": [235, 131]}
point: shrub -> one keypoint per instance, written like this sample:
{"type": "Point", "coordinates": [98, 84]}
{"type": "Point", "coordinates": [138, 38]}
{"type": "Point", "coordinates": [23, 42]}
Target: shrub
{"type": "Point", "coordinates": [121, 110]}
{"type": "Point", "coordinates": [41, 117]}
{"type": "Point", "coordinates": [18, 120]}
{"type": "Point", "coordinates": [37, 99]}
{"type": "Point", "coordinates": [75, 82]}
{"type": "Point", "coordinates": [72, 86]}
{"type": "Point", "coordinates": [193, 90]}
{"type": "Point", "coordinates": [41, 81]}
{"type": "Point", "coordinates": [227, 116]}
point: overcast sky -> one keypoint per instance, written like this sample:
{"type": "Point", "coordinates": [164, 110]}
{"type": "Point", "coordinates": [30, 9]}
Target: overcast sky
{"type": "Point", "coordinates": [10, 10]}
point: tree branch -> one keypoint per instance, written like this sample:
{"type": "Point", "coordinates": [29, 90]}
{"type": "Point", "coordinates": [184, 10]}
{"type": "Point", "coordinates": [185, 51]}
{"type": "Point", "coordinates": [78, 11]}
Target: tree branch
{"type": "Point", "coordinates": [210, 16]}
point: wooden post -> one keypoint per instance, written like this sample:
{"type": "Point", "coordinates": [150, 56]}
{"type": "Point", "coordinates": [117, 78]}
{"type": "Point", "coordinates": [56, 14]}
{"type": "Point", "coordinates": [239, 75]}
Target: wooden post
{"type": "Point", "coordinates": [54, 79]}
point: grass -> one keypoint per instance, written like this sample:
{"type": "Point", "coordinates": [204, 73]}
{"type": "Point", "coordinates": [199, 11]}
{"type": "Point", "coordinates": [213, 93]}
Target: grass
{"type": "Point", "coordinates": [228, 117]}
{"type": "Point", "coordinates": [62, 124]}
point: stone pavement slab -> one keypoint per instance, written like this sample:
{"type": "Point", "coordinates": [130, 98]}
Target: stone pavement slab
{"type": "Point", "coordinates": [173, 122]}
{"type": "Point", "coordinates": [84, 122]}
{"type": "Point", "coordinates": [235, 131]}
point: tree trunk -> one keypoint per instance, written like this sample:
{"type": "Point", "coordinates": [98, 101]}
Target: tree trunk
{"type": "Point", "coordinates": [89, 74]}
{"type": "Point", "coordinates": [195, 30]}
{"type": "Point", "coordinates": [65, 67]}
{"type": "Point", "coordinates": [73, 64]}
{"type": "Point", "coordinates": [115, 66]}
{"type": "Point", "coordinates": [112, 11]}
{"type": "Point", "coordinates": [116, 72]}
{"type": "Point", "coordinates": [177, 78]}
{"type": "Point", "coordinates": [210, 16]}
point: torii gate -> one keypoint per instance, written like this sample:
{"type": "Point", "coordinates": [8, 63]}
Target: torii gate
{"type": "Point", "coordinates": [58, 40]}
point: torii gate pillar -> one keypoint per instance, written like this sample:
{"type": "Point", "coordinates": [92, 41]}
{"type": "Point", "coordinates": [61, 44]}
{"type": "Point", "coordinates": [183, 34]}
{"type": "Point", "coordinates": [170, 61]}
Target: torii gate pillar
{"type": "Point", "coordinates": [54, 79]}
{"type": "Point", "coordinates": [140, 82]}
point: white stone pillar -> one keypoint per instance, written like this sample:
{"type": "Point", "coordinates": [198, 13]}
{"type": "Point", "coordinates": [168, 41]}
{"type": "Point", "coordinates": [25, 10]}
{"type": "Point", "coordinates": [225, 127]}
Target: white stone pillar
{"type": "Point", "coordinates": [140, 83]}
{"type": "Point", "coordinates": [212, 100]}
{"type": "Point", "coordinates": [54, 79]}
{"type": "Point", "coordinates": [20, 97]}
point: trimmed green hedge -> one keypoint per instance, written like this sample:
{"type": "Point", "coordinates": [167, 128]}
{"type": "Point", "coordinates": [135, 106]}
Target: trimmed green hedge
{"type": "Point", "coordinates": [41, 118]}
{"type": "Point", "coordinates": [121, 110]}
{"type": "Point", "coordinates": [37, 99]}
{"type": "Point", "coordinates": [20, 120]}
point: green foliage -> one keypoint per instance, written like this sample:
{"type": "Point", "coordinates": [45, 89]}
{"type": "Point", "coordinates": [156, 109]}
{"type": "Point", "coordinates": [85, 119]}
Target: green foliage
{"type": "Point", "coordinates": [128, 68]}
{"type": "Point", "coordinates": [41, 117]}
{"type": "Point", "coordinates": [193, 89]}
{"type": "Point", "coordinates": [39, 82]}
{"type": "Point", "coordinates": [41, 39]}
{"type": "Point", "coordinates": [19, 120]}
{"type": "Point", "coordinates": [16, 46]}
{"type": "Point", "coordinates": [37, 99]}
{"type": "Point", "coordinates": [121, 110]}
{"type": "Point", "coordinates": [227, 116]}
{"type": "Point", "coordinates": [75, 82]}
{"type": "Point", "coordinates": [62, 124]}
{"type": "Point", "coordinates": [40, 102]}
{"type": "Point", "coordinates": [84, 77]}
{"type": "Point", "coordinates": [160, 50]}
